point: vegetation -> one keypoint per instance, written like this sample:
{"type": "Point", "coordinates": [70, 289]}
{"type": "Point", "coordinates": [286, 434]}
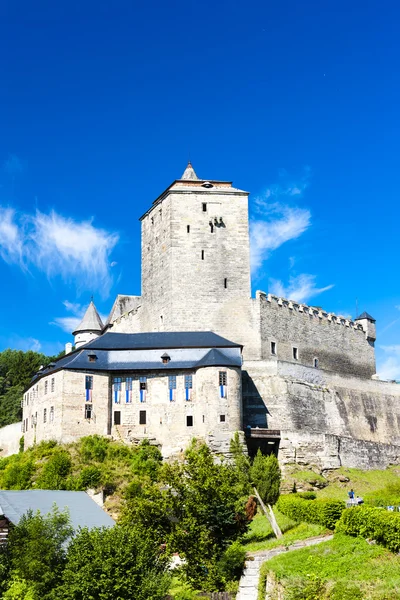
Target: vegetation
{"type": "Point", "coordinates": [265, 474]}
{"type": "Point", "coordinates": [369, 522]}
{"type": "Point", "coordinates": [120, 562]}
{"type": "Point", "coordinates": [344, 568]}
{"type": "Point", "coordinates": [324, 512]}
{"type": "Point", "coordinates": [16, 371]}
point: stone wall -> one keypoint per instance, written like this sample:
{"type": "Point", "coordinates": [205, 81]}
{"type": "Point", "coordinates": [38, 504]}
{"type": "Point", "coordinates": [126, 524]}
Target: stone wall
{"type": "Point", "coordinates": [339, 344]}
{"type": "Point", "coordinates": [9, 439]}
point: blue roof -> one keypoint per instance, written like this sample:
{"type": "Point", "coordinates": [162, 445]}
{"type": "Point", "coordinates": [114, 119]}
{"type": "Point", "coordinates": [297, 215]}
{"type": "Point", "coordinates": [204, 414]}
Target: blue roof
{"type": "Point", "coordinates": [83, 511]}
{"type": "Point", "coordinates": [160, 339]}
{"type": "Point", "coordinates": [365, 315]}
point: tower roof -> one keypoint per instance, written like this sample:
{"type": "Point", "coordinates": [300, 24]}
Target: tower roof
{"type": "Point", "coordinates": [365, 315]}
{"type": "Point", "coordinates": [91, 321]}
{"type": "Point", "coordinates": [190, 173]}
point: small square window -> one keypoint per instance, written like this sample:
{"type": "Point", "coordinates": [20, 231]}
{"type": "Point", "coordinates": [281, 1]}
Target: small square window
{"type": "Point", "coordinates": [142, 417]}
{"type": "Point", "coordinates": [88, 411]}
{"type": "Point", "coordinates": [295, 353]}
{"type": "Point", "coordinates": [273, 348]}
{"type": "Point", "coordinates": [117, 417]}
{"type": "Point", "coordinates": [222, 418]}
{"type": "Point", "coordinates": [189, 421]}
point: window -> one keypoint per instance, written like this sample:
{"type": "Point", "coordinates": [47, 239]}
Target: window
{"type": "Point", "coordinates": [203, 418]}
{"type": "Point", "coordinates": [46, 385]}
{"type": "Point", "coordinates": [89, 387]}
{"type": "Point", "coordinates": [188, 228]}
{"type": "Point", "coordinates": [143, 390]}
{"type": "Point", "coordinates": [44, 415]}
{"type": "Point", "coordinates": [189, 421]}
{"type": "Point", "coordinates": [188, 387]}
{"type": "Point", "coordinates": [88, 411]}
{"type": "Point", "coordinates": [295, 353]}
{"type": "Point", "coordinates": [142, 417]}
{"type": "Point", "coordinates": [172, 387]}
{"type": "Point", "coordinates": [225, 283]}
{"type": "Point", "coordinates": [52, 384]}
{"type": "Point", "coordinates": [222, 383]}
{"type": "Point", "coordinates": [92, 357]}
{"type": "Point", "coordinates": [211, 227]}
{"type": "Point", "coordinates": [204, 207]}
{"type": "Point", "coordinates": [222, 418]}
{"type": "Point", "coordinates": [316, 363]}
{"type": "Point", "coordinates": [202, 255]}
{"type": "Point", "coordinates": [273, 348]}
{"type": "Point", "coordinates": [165, 358]}
{"type": "Point", "coordinates": [117, 417]}
{"type": "Point", "coordinates": [117, 387]}
{"type": "Point", "coordinates": [51, 414]}
{"type": "Point", "coordinates": [128, 390]}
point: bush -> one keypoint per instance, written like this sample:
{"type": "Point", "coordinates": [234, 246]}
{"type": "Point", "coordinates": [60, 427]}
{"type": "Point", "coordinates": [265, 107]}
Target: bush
{"type": "Point", "coordinates": [231, 563]}
{"type": "Point", "coordinates": [369, 522]}
{"type": "Point", "coordinates": [89, 477]}
{"type": "Point", "coordinates": [307, 495]}
{"type": "Point", "coordinates": [55, 471]}
{"type": "Point", "coordinates": [93, 447]}
{"type": "Point", "coordinates": [323, 512]}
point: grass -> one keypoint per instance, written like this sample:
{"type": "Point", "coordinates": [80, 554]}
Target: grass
{"type": "Point", "coordinates": [261, 537]}
{"type": "Point", "coordinates": [370, 571]}
{"type": "Point", "coordinates": [362, 482]}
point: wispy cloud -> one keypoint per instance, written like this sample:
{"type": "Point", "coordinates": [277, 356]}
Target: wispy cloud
{"type": "Point", "coordinates": [77, 251]}
{"type": "Point", "coordinates": [280, 224]}
{"type": "Point", "coordinates": [300, 288]}
{"type": "Point", "coordinates": [390, 368]}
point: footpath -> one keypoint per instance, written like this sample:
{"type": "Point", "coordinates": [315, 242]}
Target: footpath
{"type": "Point", "coordinates": [248, 586]}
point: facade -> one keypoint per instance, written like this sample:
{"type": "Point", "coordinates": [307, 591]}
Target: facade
{"type": "Point", "coordinates": [167, 387]}
{"type": "Point", "coordinates": [308, 375]}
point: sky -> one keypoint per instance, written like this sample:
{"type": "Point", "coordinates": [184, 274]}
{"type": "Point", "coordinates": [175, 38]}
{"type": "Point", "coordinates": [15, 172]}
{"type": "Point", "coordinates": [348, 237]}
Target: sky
{"type": "Point", "coordinates": [102, 104]}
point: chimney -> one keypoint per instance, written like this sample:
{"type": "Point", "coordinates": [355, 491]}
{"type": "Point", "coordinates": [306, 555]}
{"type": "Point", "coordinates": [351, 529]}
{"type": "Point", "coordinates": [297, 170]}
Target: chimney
{"type": "Point", "coordinates": [68, 347]}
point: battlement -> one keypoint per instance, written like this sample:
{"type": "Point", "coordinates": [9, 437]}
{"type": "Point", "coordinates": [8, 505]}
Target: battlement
{"type": "Point", "coordinates": [312, 311]}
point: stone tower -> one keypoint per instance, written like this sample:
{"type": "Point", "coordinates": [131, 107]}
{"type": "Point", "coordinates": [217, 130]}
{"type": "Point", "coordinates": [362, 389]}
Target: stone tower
{"type": "Point", "coordinates": [195, 256]}
{"type": "Point", "coordinates": [89, 328]}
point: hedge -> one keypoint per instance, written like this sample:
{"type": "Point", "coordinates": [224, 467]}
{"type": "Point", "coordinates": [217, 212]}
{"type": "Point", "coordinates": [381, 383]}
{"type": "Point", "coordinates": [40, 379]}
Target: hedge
{"type": "Point", "coordinates": [369, 522]}
{"type": "Point", "coordinates": [323, 512]}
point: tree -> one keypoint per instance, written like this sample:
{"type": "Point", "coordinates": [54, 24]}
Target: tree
{"type": "Point", "coordinates": [120, 563]}
{"type": "Point", "coordinates": [266, 477]}
{"type": "Point", "coordinates": [34, 557]}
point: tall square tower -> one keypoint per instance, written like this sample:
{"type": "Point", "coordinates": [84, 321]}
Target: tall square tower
{"type": "Point", "coordinates": [195, 255]}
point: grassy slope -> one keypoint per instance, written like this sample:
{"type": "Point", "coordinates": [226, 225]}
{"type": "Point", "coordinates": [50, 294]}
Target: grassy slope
{"type": "Point", "coordinates": [373, 569]}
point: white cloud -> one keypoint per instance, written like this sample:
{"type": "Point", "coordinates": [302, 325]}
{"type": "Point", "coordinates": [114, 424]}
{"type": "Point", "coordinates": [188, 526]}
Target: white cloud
{"type": "Point", "coordinates": [11, 239]}
{"type": "Point", "coordinates": [390, 368]}
{"type": "Point", "coordinates": [300, 288]}
{"type": "Point", "coordinates": [286, 187]}
{"type": "Point", "coordinates": [59, 246]}
{"type": "Point", "coordinates": [282, 223]}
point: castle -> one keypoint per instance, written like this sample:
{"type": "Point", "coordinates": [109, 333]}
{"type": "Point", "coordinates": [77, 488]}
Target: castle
{"type": "Point", "coordinates": [196, 356]}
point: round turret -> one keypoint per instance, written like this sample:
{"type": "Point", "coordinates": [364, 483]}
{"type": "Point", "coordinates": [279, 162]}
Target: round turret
{"type": "Point", "coordinates": [89, 328]}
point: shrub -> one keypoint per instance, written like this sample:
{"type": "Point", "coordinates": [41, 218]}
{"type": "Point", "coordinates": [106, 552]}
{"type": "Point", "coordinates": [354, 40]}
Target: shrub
{"type": "Point", "coordinates": [369, 522]}
{"type": "Point", "coordinates": [323, 512]}
{"type": "Point", "coordinates": [17, 474]}
{"type": "Point", "coordinates": [93, 447]}
{"type": "Point", "coordinates": [231, 563]}
{"type": "Point", "coordinates": [307, 495]}
{"type": "Point", "coordinates": [89, 477]}
{"type": "Point", "coordinates": [55, 471]}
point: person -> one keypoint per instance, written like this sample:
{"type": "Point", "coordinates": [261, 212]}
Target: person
{"type": "Point", "coordinates": [351, 495]}
{"type": "Point", "coordinates": [359, 500]}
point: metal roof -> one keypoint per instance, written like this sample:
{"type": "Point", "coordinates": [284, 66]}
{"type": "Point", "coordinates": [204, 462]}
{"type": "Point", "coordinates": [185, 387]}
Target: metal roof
{"type": "Point", "coordinates": [91, 321]}
{"type": "Point", "coordinates": [161, 340]}
{"type": "Point", "coordinates": [365, 315]}
{"type": "Point", "coordinates": [83, 511]}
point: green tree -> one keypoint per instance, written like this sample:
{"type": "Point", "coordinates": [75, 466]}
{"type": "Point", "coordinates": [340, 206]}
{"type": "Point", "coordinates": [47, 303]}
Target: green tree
{"type": "Point", "coordinates": [120, 563]}
{"type": "Point", "coordinates": [266, 477]}
{"type": "Point", "coordinates": [34, 557]}
{"type": "Point", "coordinates": [241, 462]}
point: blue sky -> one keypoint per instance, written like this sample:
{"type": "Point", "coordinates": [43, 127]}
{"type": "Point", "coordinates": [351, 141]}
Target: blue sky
{"type": "Point", "coordinates": [102, 103]}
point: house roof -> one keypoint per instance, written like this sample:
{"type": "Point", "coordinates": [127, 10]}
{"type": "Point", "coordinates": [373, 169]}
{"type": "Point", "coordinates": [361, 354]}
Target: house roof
{"type": "Point", "coordinates": [365, 315]}
{"type": "Point", "coordinates": [91, 321]}
{"type": "Point", "coordinates": [83, 511]}
{"type": "Point", "coordinates": [143, 352]}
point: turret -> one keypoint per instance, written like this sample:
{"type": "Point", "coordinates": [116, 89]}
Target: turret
{"type": "Point", "coordinates": [368, 324]}
{"type": "Point", "coordinates": [89, 328]}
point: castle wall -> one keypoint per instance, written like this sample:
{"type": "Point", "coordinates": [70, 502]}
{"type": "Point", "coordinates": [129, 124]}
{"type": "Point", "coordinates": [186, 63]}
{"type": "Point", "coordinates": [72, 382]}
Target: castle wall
{"type": "Point", "coordinates": [166, 420]}
{"type": "Point", "coordinates": [339, 344]}
{"type": "Point", "coordinates": [310, 402]}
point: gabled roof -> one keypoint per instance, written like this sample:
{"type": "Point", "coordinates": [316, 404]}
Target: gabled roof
{"type": "Point", "coordinates": [160, 340]}
{"type": "Point", "coordinates": [190, 173]}
{"type": "Point", "coordinates": [83, 511]}
{"type": "Point", "coordinates": [91, 321]}
{"type": "Point", "coordinates": [365, 315]}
